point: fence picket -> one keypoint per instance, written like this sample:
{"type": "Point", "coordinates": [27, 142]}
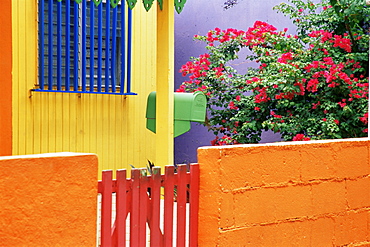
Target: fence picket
{"type": "Point", "coordinates": [168, 205]}
{"type": "Point", "coordinates": [181, 206]}
{"type": "Point", "coordinates": [143, 209]}
{"type": "Point", "coordinates": [121, 210]}
{"type": "Point", "coordinates": [194, 204]}
{"type": "Point", "coordinates": [154, 224]}
{"type": "Point", "coordinates": [134, 216]}
{"type": "Point", "coordinates": [106, 209]}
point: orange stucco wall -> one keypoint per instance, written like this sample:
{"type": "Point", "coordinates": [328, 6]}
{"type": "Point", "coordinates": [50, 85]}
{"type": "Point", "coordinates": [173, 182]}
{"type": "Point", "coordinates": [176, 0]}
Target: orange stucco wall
{"type": "Point", "coordinates": [285, 194]}
{"type": "Point", "coordinates": [5, 78]}
{"type": "Point", "coordinates": [48, 200]}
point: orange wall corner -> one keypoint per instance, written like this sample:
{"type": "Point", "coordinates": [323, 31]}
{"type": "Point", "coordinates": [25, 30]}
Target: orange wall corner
{"type": "Point", "coordinates": [48, 200]}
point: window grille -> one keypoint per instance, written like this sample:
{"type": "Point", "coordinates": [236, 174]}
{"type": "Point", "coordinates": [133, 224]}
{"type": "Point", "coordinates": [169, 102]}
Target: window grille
{"type": "Point", "coordinates": [84, 48]}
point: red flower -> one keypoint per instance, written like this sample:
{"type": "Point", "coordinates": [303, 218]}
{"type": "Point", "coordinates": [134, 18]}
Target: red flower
{"type": "Point", "coordinates": [181, 89]}
{"type": "Point", "coordinates": [275, 115]}
{"type": "Point", "coordinates": [314, 106]}
{"type": "Point", "coordinates": [232, 106]}
{"type": "Point", "coordinates": [301, 137]}
{"type": "Point", "coordinates": [325, 35]}
{"type": "Point", "coordinates": [301, 88]}
{"type": "Point", "coordinates": [256, 34]}
{"type": "Point", "coordinates": [255, 79]}
{"type": "Point", "coordinates": [285, 57]}
{"type": "Point", "coordinates": [214, 142]}
{"type": "Point", "coordinates": [343, 43]}
{"type": "Point", "coordinates": [262, 96]}
{"type": "Point", "coordinates": [312, 85]}
{"type": "Point", "coordinates": [343, 103]}
{"type": "Point", "coordinates": [218, 71]}
{"type": "Point", "coordinates": [365, 118]}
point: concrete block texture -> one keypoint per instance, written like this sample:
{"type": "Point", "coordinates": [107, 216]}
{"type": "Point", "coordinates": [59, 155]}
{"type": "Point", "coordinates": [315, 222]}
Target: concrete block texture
{"type": "Point", "coordinates": [314, 193]}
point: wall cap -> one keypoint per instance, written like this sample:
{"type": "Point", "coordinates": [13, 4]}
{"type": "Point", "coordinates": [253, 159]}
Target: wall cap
{"type": "Point", "coordinates": [290, 143]}
{"type": "Point", "coordinates": [45, 155]}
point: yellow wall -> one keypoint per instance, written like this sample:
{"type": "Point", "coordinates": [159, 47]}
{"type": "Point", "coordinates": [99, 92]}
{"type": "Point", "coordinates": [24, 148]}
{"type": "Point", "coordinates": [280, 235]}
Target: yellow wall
{"type": "Point", "coordinates": [111, 126]}
{"type": "Point", "coordinates": [6, 78]}
{"type": "Point", "coordinates": [165, 84]}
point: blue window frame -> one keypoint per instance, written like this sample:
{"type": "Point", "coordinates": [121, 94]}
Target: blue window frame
{"type": "Point", "coordinates": [84, 48]}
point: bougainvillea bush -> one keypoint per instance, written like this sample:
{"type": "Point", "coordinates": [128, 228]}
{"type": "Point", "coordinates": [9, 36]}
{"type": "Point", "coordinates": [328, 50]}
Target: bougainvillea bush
{"type": "Point", "coordinates": [308, 86]}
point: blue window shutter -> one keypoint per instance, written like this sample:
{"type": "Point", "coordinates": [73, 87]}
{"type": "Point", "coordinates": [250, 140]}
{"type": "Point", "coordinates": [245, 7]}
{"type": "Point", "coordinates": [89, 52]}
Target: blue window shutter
{"type": "Point", "coordinates": [83, 48]}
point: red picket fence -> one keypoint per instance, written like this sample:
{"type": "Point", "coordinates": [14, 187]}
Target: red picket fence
{"type": "Point", "coordinates": [140, 197]}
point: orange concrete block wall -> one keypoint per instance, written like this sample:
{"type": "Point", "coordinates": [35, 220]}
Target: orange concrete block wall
{"type": "Point", "coordinates": [285, 194]}
{"type": "Point", "coordinates": [48, 200]}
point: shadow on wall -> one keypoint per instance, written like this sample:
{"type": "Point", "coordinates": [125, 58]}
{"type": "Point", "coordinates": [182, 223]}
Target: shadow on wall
{"type": "Point", "coordinates": [199, 17]}
{"type": "Point", "coordinates": [186, 145]}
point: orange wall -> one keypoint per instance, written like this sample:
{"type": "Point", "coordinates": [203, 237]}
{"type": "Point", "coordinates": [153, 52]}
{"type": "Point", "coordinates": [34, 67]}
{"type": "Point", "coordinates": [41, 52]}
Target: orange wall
{"type": "Point", "coordinates": [48, 200]}
{"type": "Point", "coordinates": [5, 78]}
{"type": "Point", "coordinates": [285, 194]}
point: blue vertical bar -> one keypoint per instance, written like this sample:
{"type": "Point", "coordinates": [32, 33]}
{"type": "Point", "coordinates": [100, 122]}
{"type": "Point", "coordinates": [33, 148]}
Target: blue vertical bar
{"type": "Point", "coordinates": [59, 46]}
{"type": "Point", "coordinates": [107, 36]}
{"type": "Point", "coordinates": [129, 50]}
{"type": "Point", "coordinates": [68, 43]}
{"type": "Point", "coordinates": [123, 47]}
{"type": "Point", "coordinates": [114, 49]}
{"type": "Point", "coordinates": [83, 54]}
{"type": "Point", "coordinates": [75, 33]}
{"type": "Point", "coordinates": [41, 44]}
{"type": "Point", "coordinates": [92, 45]}
{"type": "Point", "coordinates": [50, 45]}
{"type": "Point", "coordinates": [100, 46]}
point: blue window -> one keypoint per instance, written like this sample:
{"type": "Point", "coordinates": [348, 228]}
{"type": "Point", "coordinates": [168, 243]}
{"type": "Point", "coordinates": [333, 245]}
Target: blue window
{"type": "Point", "coordinates": [84, 48]}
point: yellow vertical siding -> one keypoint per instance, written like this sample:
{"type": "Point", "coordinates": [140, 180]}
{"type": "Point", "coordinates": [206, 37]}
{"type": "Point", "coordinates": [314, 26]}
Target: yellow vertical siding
{"type": "Point", "coordinates": [165, 84]}
{"type": "Point", "coordinates": [109, 125]}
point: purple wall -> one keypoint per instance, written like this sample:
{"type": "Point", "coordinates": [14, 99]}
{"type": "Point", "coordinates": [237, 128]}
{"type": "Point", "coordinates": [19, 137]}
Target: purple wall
{"type": "Point", "coordinates": [198, 17]}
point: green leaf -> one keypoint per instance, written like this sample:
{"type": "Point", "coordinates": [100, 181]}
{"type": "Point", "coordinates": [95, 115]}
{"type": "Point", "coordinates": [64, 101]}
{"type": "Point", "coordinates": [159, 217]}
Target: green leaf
{"type": "Point", "coordinates": [131, 3]}
{"type": "Point", "coordinates": [114, 3]}
{"type": "Point", "coordinates": [160, 3]}
{"type": "Point", "coordinates": [148, 4]}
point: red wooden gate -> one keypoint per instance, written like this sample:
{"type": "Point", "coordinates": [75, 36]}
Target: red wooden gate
{"type": "Point", "coordinates": [140, 198]}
